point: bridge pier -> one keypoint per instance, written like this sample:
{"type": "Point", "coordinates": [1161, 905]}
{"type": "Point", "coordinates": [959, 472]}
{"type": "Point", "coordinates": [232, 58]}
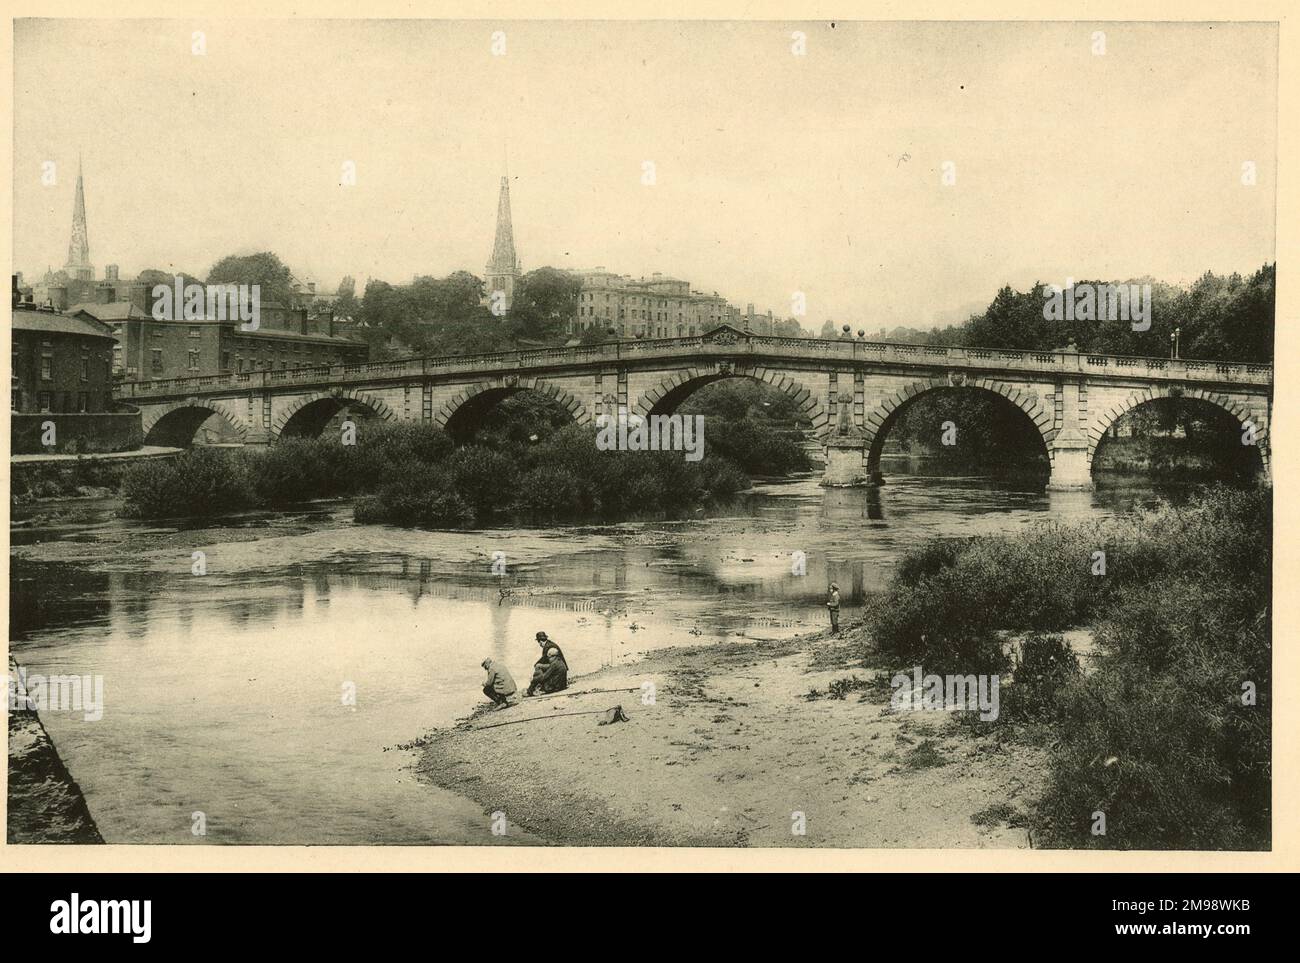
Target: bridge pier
{"type": "Point", "coordinates": [844, 464]}
{"type": "Point", "coordinates": [1070, 469]}
{"type": "Point", "coordinates": [845, 450]}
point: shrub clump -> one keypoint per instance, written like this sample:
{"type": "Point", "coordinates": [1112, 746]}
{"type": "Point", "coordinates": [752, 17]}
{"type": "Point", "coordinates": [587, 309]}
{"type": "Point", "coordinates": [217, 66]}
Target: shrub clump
{"type": "Point", "coordinates": [200, 481]}
{"type": "Point", "coordinates": [1044, 665]}
{"type": "Point", "coordinates": [1169, 734]}
{"type": "Point", "coordinates": [412, 474]}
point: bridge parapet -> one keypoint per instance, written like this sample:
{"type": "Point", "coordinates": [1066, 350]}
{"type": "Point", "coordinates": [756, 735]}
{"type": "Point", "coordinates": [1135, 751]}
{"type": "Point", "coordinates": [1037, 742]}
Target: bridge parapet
{"type": "Point", "coordinates": [720, 343]}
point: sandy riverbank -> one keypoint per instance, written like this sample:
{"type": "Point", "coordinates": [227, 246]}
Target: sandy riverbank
{"type": "Point", "coordinates": [731, 748]}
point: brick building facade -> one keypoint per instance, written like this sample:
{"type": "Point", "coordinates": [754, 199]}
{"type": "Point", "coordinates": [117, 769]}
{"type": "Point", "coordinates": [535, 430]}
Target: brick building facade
{"type": "Point", "coordinates": [61, 363]}
{"type": "Point", "coordinates": [654, 307]}
{"type": "Point", "coordinates": [148, 349]}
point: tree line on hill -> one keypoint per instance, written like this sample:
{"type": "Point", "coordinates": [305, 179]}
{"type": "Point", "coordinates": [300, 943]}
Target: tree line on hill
{"type": "Point", "coordinates": [1218, 317]}
{"type": "Point", "coordinates": [1221, 317]}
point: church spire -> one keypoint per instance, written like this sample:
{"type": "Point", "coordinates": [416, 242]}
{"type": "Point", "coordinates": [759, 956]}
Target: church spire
{"type": "Point", "coordinates": [503, 270]}
{"type": "Point", "coordinates": [503, 251]}
{"type": "Point", "coordinates": [79, 266]}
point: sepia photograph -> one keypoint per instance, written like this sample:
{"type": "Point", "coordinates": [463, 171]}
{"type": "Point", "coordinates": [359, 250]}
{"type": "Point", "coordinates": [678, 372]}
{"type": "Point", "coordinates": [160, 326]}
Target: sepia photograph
{"type": "Point", "coordinates": [670, 434]}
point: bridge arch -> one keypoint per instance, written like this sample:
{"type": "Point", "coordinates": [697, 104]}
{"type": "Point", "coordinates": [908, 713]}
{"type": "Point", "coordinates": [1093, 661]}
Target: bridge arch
{"type": "Point", "coordinates": [1241, 413]}
{"type": "Point", "coordinates": [676, 387]}
{"type": "Point", "coordinates": [880, 421]}
{"type": "Point", "coordinates": [309, 415]}
{"type": "Point", "coordinates": [475, 400]}
{"type": "Point", "coordinates": [175, 425]}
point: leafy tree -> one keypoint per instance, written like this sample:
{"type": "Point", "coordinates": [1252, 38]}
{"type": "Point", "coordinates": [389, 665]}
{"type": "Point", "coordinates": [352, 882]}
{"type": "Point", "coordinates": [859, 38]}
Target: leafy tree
{"type": "Point", "coordinates": [595, 334]}
{"type": "Point", "coordinates": [545, 301]}
{"type": "Point", "coordinates": [263, 269]}
{"type": "Point", "coordinates": [1226, 318]}
{"type": "Point", "coordinates": [346, 304]}
{"type": "Point", "coordinates": [152, 276]}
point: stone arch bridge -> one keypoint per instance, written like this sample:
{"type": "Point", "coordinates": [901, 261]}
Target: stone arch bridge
{"type": "Point", "coordinates": [851, 390]}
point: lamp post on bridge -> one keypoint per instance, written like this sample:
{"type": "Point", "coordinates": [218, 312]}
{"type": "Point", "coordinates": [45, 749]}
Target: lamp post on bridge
{"type": "Point", "coordinates": [1173, 342]}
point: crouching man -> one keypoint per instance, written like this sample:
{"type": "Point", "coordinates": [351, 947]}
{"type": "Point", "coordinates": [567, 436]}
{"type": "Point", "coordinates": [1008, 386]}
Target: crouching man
{"type": "Point", "coordinates": [500, 685]}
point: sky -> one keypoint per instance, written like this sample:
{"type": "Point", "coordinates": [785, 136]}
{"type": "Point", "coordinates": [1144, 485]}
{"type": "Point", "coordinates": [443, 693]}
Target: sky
{"type": "Point", "coordinates": [774, 173]}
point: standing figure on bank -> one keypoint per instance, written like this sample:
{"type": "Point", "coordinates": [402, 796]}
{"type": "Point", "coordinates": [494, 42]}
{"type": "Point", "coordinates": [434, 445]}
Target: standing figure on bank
{"type": "Point", "coordinates": [551, 671]}
{"type": "Point", "coordinates": [833, 606]}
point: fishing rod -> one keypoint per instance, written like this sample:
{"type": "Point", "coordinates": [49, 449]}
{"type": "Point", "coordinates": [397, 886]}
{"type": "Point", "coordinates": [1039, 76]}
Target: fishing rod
{"type": "Point", "coordinates": [584, 712]}
{"type": "Point", "coordinates": [570, 695]}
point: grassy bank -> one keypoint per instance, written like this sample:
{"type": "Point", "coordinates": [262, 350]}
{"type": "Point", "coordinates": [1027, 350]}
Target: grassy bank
{"type": "Point", "coordinates": [412, 474]}
{"type": "Point", "coordinates": [1169, 737]}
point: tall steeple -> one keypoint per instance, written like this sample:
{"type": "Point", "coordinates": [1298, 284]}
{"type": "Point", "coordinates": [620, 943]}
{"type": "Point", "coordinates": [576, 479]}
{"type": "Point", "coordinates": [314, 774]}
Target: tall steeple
{"type": "Point", "coordinates": [503, 269]}
{"type": "Point", "coordinates": [79, 266]}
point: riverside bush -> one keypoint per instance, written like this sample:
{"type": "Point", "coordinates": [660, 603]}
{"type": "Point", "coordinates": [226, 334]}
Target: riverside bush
{"type": "Point", "coordinates": [1042, 579]}
{"type": "Point", "coordinates": [201, 481]}
{"type": "Point", "coordinates": [1044, 665]}
{"type": "Point", "coordinates": [550, 490]}
{"type": "Point", "coordinates": [1161, 738]}
{"type": "Point", "coordinates": [756, 447]}
{"type": "Point", "coordinates": [485, 479]}
{"type": "Point", "coordinates": [418, 495]}
{"type": "Point", "coordinates": [1162, 735]}
{"type": "Point", "coordinates": [412, 474]}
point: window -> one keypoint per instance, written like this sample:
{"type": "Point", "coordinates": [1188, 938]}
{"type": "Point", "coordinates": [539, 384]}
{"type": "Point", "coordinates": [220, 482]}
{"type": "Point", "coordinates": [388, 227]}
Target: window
{"type": "Point", "coordinates": [81, 401]}
{"type": "Point", "coordinates": [16, 400]}
{"type": "Point", "coordinates": [47, 368]}
{"type": "Point", "coordinates": [192, 360]}
{"type": "Point", "coordinates": [43, 401]}
{"type": "Point", "coordinates": [85, 368]}
{"type": "Point", "coordinates": [155, 360]}
{"type": "Point", "coordinates": [195, 332]}
{"type": "Point", "coordinates": [225, 361]}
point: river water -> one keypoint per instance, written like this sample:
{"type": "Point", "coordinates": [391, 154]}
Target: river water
{"type": "Point", "coordinates": [272, 694]}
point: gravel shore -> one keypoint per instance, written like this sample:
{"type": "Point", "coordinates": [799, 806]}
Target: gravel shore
{"type": "Point", "coordinates": [734, 751]}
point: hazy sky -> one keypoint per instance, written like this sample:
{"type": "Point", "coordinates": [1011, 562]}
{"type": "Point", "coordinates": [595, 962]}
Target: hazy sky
{"type": "Point", "coordinates": [775, 173]}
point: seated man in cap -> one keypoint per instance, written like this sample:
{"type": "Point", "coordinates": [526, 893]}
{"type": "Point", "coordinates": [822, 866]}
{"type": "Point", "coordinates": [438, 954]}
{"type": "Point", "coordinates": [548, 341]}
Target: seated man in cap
{"type": "Point", "coordinates": [551, 671]}
{"type": "Point", "coordinates": [500, 685]}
